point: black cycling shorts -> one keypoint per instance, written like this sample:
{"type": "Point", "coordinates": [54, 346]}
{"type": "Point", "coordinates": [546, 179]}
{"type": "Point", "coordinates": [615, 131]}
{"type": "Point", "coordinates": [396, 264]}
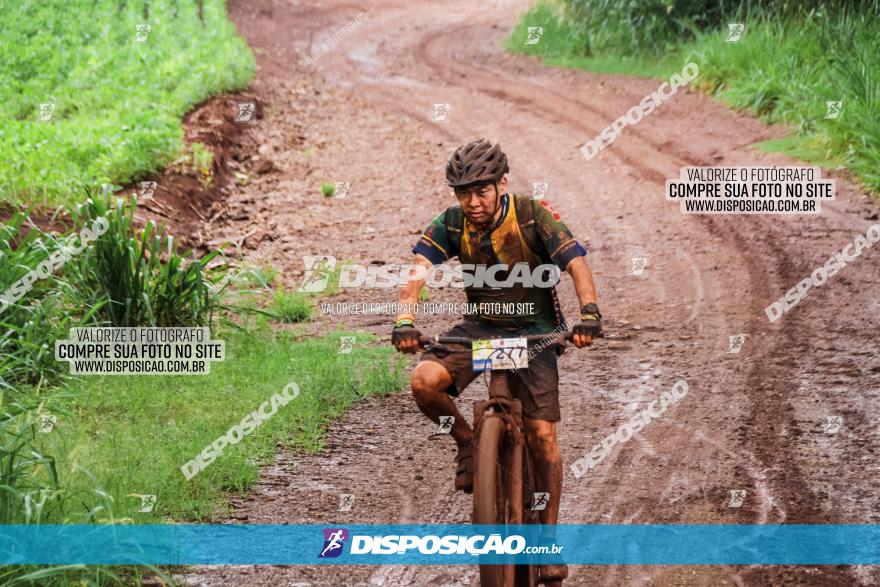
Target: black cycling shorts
{"type": "Point", "coordinates": [537, 387]}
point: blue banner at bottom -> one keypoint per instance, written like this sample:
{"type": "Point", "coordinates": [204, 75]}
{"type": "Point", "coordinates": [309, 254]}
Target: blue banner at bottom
{"type": "Point", "coordinates": [441, 544]}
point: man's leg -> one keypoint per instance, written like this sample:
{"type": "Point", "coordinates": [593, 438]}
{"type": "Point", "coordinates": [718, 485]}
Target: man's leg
{"type": "Point", "coordinates": [541, 438]}
{"type": "Point", "coordinates": [429, 383]}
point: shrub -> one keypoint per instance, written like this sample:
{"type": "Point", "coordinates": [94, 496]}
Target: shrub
{"type": "Point", "coordinates": [142, 277]}
{"type": "Point", "coordinates": [123, 278]}
{"type": "Point", "coordinates": [291, 307]}
{"type": "Point", "coordinates": [653, 26]}
{"type": "Point", "coordinates": [32, 323]}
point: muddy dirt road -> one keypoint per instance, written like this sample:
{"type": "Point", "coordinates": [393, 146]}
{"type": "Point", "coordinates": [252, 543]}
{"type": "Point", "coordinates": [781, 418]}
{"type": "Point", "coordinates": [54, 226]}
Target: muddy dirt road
{"type": "Point", "coordinates": [753, 420]}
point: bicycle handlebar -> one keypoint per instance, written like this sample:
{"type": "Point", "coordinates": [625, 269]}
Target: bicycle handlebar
{"type": "Point", "coordinates": [466, 340]}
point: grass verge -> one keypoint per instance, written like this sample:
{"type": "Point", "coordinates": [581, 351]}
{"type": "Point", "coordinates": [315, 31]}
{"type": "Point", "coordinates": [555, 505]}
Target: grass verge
{"type": "Point", "coordinates": [133, 433]}
{"type": "Point", "coordinates": [95, 449]}
{"type": "Point", "coordinates": [89, 95]}
{"type": "Point", "coordinates": [785, 68]}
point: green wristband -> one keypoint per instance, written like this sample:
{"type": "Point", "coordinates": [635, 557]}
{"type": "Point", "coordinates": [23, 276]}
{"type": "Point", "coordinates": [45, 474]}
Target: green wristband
{"type": "Point", "coordinates": [404, 322]}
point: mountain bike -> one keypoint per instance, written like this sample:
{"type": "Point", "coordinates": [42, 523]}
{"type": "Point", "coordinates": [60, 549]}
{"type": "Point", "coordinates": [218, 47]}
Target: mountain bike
{"type": "Point", "coordinates": [503, 469]}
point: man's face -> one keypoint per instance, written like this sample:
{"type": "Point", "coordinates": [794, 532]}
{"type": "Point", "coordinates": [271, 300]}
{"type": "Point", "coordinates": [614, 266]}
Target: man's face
{"type": "Point", "coordinates": [478, 200]}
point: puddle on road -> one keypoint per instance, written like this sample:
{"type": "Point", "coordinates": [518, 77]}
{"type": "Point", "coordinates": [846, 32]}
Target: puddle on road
{"type": "Point", "coordinates": [372, 69]}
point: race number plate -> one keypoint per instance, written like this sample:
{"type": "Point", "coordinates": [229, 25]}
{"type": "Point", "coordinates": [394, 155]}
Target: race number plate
{"type": "Point", "coordinates": [500, 353]}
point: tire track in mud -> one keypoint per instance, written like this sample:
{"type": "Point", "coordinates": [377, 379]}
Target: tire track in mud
{"type": "Point", "coordinates": [774, 452]}
{"type": "Point", "coordinates": [407, 56]}
{"type": "Point", "coordinates": [520, 99]}
{"type": "Point", "coordinates": [526, 100]}
{"type": "Point", "coordinates": [800, 489]}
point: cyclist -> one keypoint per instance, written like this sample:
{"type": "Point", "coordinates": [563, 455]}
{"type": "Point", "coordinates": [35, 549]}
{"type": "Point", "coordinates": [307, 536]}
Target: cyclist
{"type": "Point", "coordinates": [491, 227]}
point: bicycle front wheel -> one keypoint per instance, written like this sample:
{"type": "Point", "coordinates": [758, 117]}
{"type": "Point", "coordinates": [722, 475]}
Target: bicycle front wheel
{"type": "Point", "coordinates": [489, 499]}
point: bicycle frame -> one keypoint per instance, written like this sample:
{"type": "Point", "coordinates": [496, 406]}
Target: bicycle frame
{"type": "Point", "coordinates": [507, 465]}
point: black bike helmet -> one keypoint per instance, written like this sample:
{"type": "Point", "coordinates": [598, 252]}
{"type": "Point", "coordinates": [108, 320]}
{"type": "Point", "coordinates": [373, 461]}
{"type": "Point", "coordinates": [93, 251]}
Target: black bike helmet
{"type": "Point", "coordinates": [476, 162]}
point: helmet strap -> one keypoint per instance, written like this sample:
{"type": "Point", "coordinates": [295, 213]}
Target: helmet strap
{"type": "Point", "coordinates": [497, 203]}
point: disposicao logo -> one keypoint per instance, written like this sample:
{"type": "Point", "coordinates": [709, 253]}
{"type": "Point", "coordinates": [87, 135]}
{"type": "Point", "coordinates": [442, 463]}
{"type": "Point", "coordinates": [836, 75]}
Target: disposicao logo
{"type": "Point", "coordinates": [334, 539]}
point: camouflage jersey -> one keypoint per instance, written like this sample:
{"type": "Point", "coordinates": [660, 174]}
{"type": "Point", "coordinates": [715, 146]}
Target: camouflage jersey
{"type": "Point", "coordinates": [528, 231]}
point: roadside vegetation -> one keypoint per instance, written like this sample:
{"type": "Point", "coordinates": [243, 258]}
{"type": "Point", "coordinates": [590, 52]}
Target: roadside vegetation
{"type": "Point", "coordinates": [114, 439]}
{"type": "Point", "coordinates": [89, 95]}
{"type": "Point", "coordinates": [92, 93]}
{"type": "Point", "coordinates": [792, 58]}
{"type": "Point", "coordinates": [134, 433]}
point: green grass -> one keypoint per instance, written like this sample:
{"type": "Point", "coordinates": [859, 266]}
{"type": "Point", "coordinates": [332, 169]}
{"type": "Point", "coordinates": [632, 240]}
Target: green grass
{"type": "Point", "coordinates": [120, 437]}
{"type": "Point", "coordinates": [291, 307]}
{"type": "Point", "coordinates": [789, 63]}
{"type": "Point", "coordinates": [125, 277]}
{"type": "Point", "coordinates": [197, 160]}
{"type": "Point", "coordinates": [259, 275]}
{"type": "Point", "coordinates": [118, 102]}
{"type": "Point", "coordinates": [328, 190]}
{"type": "Point", "coordinates": [31, 492]}
{"type": "Point", "coordinates": [144, 279]}
{"type": "Point", "coordinates": [117, 438]}
{"type": "Point", "coordinates": [786, 71]}
{"type": "Point", "coordinates": [133, 433]}
{"type": "Point", "coordinates": [30, 324]}
{"type": "Point", "coordinates": [563, 44]}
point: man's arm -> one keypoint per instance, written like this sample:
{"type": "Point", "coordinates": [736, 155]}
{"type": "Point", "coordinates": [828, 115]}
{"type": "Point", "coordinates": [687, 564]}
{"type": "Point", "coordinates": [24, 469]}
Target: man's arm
{"type": "Point", "coordinates": [583, 281]}
{"type": "Point", "coordinates": [586, 292]}
{"type": "Point", "coordinates": [566, 252]}
{"type": "Point", "coordinates": [409, 297]}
